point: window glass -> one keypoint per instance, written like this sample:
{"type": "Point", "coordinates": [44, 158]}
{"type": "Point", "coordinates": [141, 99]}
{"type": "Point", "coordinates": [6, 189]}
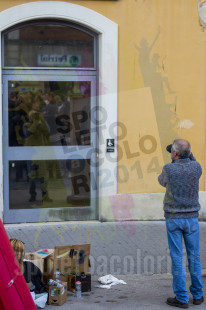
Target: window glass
{"type": "Point", "coordinates": [43, 113]}
{"type": "Point", "coordinates": [49, 183]}
{"type": "Point", "coordinates": [48, 45]}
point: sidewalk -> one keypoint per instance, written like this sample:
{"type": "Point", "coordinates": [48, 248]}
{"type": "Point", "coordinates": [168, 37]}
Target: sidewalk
{"type": "Point", "coordinates": [141, 292]}
{"type": "Point", "coordinates": [136, 252]}
{"type": "Point", "coordinates": [138, 247]}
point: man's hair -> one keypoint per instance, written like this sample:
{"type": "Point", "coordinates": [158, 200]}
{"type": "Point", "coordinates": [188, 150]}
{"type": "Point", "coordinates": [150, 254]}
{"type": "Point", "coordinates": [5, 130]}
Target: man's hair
{"type": "Point", "coordinates": [181, 147]}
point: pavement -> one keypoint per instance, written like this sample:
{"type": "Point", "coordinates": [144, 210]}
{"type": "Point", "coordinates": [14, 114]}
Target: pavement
{"type": "Point", "coordinates": [140, 292]}
{"type": "Point", "coordinates": [136, 252]}
{"type": "Point", "coordinates": [118, 248]}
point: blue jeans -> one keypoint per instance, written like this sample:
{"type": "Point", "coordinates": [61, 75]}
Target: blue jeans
{"type": "Point", "coordinates": [189, 230]}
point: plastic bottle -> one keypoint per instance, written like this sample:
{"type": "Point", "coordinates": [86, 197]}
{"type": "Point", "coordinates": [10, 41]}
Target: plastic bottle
{"type": "Point", "coordinates": [78, 289]}
{"type": "Point", "coordinates": [57, 274]}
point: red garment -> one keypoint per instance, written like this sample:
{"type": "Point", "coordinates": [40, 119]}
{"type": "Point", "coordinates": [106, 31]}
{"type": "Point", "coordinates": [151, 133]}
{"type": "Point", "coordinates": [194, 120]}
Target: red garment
{"type": "Point", "coordinates": [14, 293]}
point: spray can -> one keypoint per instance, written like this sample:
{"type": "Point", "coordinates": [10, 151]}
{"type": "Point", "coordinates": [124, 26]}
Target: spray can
{"type": "Point", "coordinates": [78, 289]}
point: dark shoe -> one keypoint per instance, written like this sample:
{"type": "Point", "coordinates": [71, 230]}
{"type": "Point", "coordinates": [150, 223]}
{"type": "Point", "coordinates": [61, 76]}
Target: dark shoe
{"type": "Point", "coordinates": [176, 303]}
{"type": "Point", "coordinates": [198, 301]}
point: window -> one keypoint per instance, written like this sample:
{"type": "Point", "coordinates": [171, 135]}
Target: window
{"type": "Point", "coordinates": [49, 44]}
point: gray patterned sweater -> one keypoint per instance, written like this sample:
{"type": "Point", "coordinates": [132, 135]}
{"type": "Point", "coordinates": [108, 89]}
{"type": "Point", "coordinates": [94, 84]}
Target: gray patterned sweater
{"type": "Point", "coordinates": [181, 179]}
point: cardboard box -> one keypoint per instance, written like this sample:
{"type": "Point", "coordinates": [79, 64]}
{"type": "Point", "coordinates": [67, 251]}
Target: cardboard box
{"type": "Point", "coordinates": [44, 259]}
{"type": "Point", "coordinates": [84, 279]}
{"type": "Point", "coordinates": [63, 278]}
{"type": "Point", "coordinates": [57, 295]}
{"type": "Point", "coordinates": [72, 259]}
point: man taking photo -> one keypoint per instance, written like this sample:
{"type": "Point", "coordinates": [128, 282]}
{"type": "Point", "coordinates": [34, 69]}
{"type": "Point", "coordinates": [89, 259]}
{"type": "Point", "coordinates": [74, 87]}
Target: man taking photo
{"type": "Point", "coordinates": [181, 206]}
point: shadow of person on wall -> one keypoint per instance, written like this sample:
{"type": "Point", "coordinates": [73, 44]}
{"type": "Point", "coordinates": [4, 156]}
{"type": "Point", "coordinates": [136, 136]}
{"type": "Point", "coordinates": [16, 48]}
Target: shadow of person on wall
{"type": "Point", "coordinates": [158, 84]}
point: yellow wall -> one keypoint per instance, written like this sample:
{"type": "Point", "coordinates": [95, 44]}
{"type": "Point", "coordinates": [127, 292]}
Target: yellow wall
{"type": "Point", "coordinates": [161, 83]}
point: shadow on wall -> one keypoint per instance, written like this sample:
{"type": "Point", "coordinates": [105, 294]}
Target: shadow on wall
{"type": "Point", "coordinates": [159, 84]}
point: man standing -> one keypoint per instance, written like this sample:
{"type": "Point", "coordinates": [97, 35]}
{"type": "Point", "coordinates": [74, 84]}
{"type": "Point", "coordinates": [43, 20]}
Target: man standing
{"type": "Point", "coordinates": [181, 206]}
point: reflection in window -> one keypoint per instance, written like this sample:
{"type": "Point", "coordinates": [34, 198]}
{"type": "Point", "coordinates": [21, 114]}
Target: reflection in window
{"type": "Point", "coordinates": [48, 44]}
{"type": "Point", "coordinates": [49, 183]}
{"type": "Point", "coordinates": [49, 113]}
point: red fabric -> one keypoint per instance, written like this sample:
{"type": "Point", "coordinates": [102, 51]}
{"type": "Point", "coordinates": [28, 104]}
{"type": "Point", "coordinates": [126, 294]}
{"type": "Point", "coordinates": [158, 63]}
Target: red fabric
{"type": "Point", "coordinates": [15, 295]}
{"type": "Point", "coordinates": [1, 305]}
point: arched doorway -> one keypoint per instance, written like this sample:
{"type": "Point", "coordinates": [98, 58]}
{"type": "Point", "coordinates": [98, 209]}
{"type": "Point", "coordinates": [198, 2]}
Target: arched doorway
{"type": "Point", "coordinates": [106, 31]}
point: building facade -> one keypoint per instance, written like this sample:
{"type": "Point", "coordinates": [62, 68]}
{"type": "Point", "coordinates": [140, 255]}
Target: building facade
{"type": "Point", "coordinates": [92, 93]}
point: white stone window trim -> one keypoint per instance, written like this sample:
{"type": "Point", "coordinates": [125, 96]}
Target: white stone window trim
{"type": "Point", "coordinates": [108, 62]}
